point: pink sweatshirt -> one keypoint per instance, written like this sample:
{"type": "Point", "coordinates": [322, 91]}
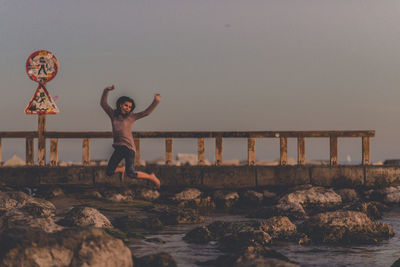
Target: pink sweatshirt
{"type": "Point", "coordinates": [122, 126]}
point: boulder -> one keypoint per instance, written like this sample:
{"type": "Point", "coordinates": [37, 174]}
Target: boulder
{"type": "Point", "coordinates": [147, 194]}
{"type": "Point", "coordinates": [345, 227]}
{"type": "Point", "coordinates": [85, 216]}
{"type": "Point", "coordinates": [156, 260]}
{"type": "Point", "coordinates": [225, 200]}
{"type": "Point", "coordinates": [19, 219]}
{"type": "Point", "coordinates": [187, 194]}
{"type": "Point", "coordinates": [314, 199]}
{"type": "Point", "coordinates": [251, 198]}
{"type": "Point", "coordinates": [69, 247]}
{"type": "Point", "coordinates": [280, 228]}
{"type": "Point", "coordinates": [373, 209]}
{"type": "Point", "coordinates": [198, 203]}
{"type": "Point", "coordinates": [391, 195]}
{"type": "Point", "coordinates": [173, 216]}
{"type": "Point", "coordinates": [199, 235]}
{"type": "Point", "coordinates": [17, 200]}
{"type": "Point", "coordinates": [348, 195]}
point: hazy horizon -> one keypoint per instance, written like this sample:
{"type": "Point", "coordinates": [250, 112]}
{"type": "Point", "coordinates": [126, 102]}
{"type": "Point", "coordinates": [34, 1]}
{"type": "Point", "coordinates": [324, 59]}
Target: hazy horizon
{"type": "Point", "coordinates": [218, 65]}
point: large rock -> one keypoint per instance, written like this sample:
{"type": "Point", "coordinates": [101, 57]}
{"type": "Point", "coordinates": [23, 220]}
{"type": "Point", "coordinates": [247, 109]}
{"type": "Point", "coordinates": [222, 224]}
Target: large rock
{"type": "Point", "coordinates": [373, 209]}
{"type": "Point", "coordinates": [225, 199]}
{"type": "Point", "coordinates": [391, 195]}
{"type": "Point", "coordinates": [280, 228]}
{"type": "Point", "coordinates": [173, 216]}
{"type": "Point", "coordinates": [71, 247]}
{"type": "Point", "coordinates": [18, 219]}
{"type": "Point", "coordinates": [251, 198]}
{"type": "Point", "coordinates": [156, 260]}
{"type": "Point", "coordinates": [147, 194]}
{"type": "Point", "coordinates": [187, 194]}
{"type": "Point", "coordinates": [17, 200]}
{"type": "Point", "coordinates": [345, 227]}
{"type": "Point", "coordinates": [314, 199]}
{"type": "Point", "coordinates": [348, 195]}
{"type": "Point", "coordinates": [85, 216]}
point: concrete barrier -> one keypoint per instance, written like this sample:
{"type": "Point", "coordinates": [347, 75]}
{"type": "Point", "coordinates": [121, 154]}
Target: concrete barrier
{"type": "Point", "coordinates": [210, 176]}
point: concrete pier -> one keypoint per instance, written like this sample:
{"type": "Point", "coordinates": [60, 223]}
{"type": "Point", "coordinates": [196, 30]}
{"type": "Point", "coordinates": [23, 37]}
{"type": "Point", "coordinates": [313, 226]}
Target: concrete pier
{"type": "Point", "coordinates": [210, 176]}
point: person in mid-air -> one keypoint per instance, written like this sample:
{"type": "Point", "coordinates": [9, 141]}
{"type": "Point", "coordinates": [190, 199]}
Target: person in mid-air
{"type": "Point", "coordinates": [122, 119]}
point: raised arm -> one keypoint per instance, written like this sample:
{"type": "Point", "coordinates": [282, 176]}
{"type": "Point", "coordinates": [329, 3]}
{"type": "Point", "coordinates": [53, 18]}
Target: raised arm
{"type": "Point", "coordinates": [149, 109]}
{"type": "Point", "coordinates": [103, 101]}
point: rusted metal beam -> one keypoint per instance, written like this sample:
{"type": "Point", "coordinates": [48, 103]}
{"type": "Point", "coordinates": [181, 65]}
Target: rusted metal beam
{"type": "Point", "coordinates": [29, 151]}
{"type": "Point", "coordinates": [283, 151]}
{"type": "Point", "coordinates": [218, 151]}
{"type": "Point", "coordinates": [251, 151]}
{"type": "Point", "coordinates": [333, 150]}
{"type": "Point", "coordinates": [200, 151]}
{"type": "Point", "coordinates": [365, 151]}
{"type": "Point", "coordinates": [168, 151]}
{"type": "Point", "coordinates": [301, 151]}
{"type": "Point", "coordinates": [53, 151]}
{"type": "Point", "coordinates": [85, 151]}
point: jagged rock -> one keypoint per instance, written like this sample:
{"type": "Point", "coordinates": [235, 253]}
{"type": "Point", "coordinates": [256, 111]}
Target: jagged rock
{"type": "Point", "coordinates": [173, 216]}
{"type": "Point", "coordinates": [246, 237]}
{"type": "Point", "coordinates": [225, 200]}
{"type": "Point", "coordinates": [252, 198]}
{"type": "Point", "coordinates": [199, 235]}
{"type": "Point", "coordinates": [156, 260]}
{"type": "Point", "coordinates": [348, 195]}
{"type": "Point", "coordinates": [314, 199]}
{"type": "Point", "coordinates": [18, 219]}
{"type": "Point", "coordinates": [293, 211]}
{"type": "Point", "coordinates": [391, 195]}
{"type": "Point", "coordinates": [280, 228]}
{"type": "Point", "coordinates": [198, 203]}
{"type": "Point", "coordinates": [131, 223]}
{"type": "Point", "coordinates": [85, 216]}
{"type": "Point", "coordinates": [372, 209]}
{"type": "Point", "coordinates": [255, 256]}
{"type": "Point", "coordinates": [70, 247]}
{"type": "Point", "coordinates": [345, 227]}
{"type": "Point", "coordinates": [187, 194]}
{"type": "Point", "coordinates": [17, 200]}
{"type": "Point", "coordinates": [147, 194]}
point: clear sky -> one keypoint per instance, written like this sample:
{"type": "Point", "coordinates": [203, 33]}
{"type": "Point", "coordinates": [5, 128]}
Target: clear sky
{"type": "Point", "coordinates": [219, 65]}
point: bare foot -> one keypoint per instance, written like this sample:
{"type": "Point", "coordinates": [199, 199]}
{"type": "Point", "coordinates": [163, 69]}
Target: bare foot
{"type": "Point", "coordinates": [155, 180]}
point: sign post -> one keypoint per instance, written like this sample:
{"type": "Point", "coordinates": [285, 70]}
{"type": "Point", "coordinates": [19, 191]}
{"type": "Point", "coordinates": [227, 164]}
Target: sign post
{"type": "Point", "coordinates": [41, 67]}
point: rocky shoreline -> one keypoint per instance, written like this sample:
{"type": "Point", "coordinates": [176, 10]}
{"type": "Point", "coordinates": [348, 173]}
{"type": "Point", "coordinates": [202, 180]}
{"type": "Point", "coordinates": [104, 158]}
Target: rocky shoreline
{"type": "Point", "coordinates": [88, 226]}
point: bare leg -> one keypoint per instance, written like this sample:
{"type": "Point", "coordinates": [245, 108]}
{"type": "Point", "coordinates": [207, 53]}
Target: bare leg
{"type": "Point", "coordinates": [151, 177]}
{"type": "Point", "coordinates": [121, 170]}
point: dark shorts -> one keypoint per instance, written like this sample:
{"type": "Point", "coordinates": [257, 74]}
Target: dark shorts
{"type": "Point", "coordinates": [120, 153]}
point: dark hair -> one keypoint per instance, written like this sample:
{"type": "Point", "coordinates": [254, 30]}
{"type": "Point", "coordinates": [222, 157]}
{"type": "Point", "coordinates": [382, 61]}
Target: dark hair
{"type": "Point", "coordinates": [122, 100]}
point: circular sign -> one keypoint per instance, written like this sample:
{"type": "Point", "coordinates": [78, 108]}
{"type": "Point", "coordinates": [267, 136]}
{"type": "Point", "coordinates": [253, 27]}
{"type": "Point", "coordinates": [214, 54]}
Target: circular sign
{"type": "Point", "coordinates": [42, 66]}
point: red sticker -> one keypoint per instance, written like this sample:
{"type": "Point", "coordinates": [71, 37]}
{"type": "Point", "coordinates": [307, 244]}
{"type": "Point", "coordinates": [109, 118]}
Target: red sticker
{"type": "Point", "coordinates": [41, 103]}
{"type": "Point", "coordinates": [42, 66]}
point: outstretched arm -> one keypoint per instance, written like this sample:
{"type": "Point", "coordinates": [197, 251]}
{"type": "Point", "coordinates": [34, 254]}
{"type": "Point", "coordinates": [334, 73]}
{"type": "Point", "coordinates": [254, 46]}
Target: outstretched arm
{"type": "Point", "coordinates": [149, 109]}
{"type": "Point", "coordinates": [103, 101]}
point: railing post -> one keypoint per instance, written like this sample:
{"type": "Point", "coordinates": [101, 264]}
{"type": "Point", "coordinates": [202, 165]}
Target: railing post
{"type": "Point", "coordinates": [54, 151]}
{"type": "Point", "coordinates": [29, 151]}
{"type": "Point", "coordinates": [1, 162]}
{"type": "Point", "coordinates": [251, 152]}
{"type": "Point", "coordinates": [41, 140]}
{"type": "Point", "coordinates": [137, 154]}
{"type": "Point", "coordinates": [301, 151]}
{"type": "Point", "coordinates": [168, 151]}
{"type": "Point", "coordinates": [283, 149]}
{"type": "Point", "coordinates": [200, 151]}
{"type": "Point", "coordinates": [218, 150]}
{"type": "Point", "coordinates": [333, 150]}
{"type": "Point", "coordinates": [365, 150]}
{"type": "Point", "coordinates": [85, 151]}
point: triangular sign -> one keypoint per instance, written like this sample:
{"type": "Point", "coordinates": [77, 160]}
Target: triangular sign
{"type": "Point", "coordinates": [41, 103]}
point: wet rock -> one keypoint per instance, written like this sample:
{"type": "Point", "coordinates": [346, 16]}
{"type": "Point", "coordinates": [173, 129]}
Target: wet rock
{"type": "Point", "coordinates": [18, 219]}
{"type": "Point", "coordinates": [199, 235]}
{"type": "Point", "coordinates": [147, 194]}
{"type": "Point", "coordinates": [93, 195]}
{"type": "Point", "coordinates": [247, 237]}
{"type": "Point", "coordinates": [198, 203]}
{"type": "Point", "coordinates": [187, 194]}
{"type": "Point", "coordinates": [391, 195]}
{"type": "Point", "coordinates": [293, 211]}
{"type": "Point", "coordinates": [225, 200]}
{"type": "Point", "coordinates": [17, 200]}
{"type": "Point", "coordinates": [131, 223]}
{"type": "Point", "coordinates": [348, 195]}
{"type": "Point", "coordinates": [173, 216]}
{"type": "Point", "coordinates": [252, 198]}
{"type": "Point", "coordinates": [70, 247]}
{"type": "Point", "coordinates": [85, 216]}
{"type": "Point", "coordinates": [345, 227]}
{"type": "Point", "coordinates": [373, 209]}
{"type": "Point", "coordinates": [314, 199]}
{"type": "Point", "coordinates": [255, 256]}
{"type": "Point", "coordinates": [280, 228]}
{"type": "Point", "coordinates": [118, 197]}
{"type": "Point", "coordinates": [156, 260]}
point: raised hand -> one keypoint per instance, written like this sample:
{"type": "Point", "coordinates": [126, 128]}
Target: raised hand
{"type": "Point", "coordinates": [157, 97]}
{"type": "Point", "coordinates": [109, 88]}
